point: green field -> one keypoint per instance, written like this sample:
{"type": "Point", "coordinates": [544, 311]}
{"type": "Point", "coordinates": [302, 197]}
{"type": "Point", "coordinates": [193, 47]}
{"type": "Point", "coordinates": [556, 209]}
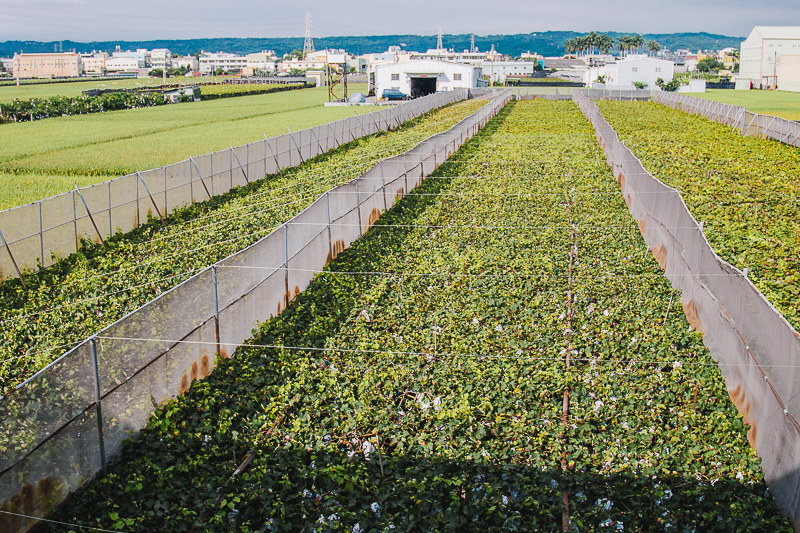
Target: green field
{"type": "Point", "coordinates": [46, 90]}
{"type": "Point", "coordinates": [43, 158]}
{"type": "Point", "coordinates": [778, 103]}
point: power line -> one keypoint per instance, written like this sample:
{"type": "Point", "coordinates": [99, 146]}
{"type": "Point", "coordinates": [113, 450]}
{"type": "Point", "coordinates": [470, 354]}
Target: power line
{"type": "Point", "coordinates": [62, 523]}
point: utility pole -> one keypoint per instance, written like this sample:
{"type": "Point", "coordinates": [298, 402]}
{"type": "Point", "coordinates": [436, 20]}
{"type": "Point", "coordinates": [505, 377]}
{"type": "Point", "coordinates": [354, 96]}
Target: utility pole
{"type": "Point", "coordinates": [439, 40]}
{"type": "Point", "coordinates": [308, 44]}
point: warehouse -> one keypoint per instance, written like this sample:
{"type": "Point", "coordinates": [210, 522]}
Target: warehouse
{"type": "Point", "coordinates": [425, 76]}
{"type": "Point", "coordinates": [762, 51]}
{"type": "Point", "coordinates": [625, 73]}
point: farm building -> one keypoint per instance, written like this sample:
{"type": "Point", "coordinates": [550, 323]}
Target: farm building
{"type": "Point", "coordinates": [59, 65]}
{"type": "Point", "coordinates": [762, 50]}
{"type": "Point", "coordinates": [425, 76]}
{"type": "Point", "coordinates": [500, 70]}
{"type": "Point", "coordinates": [622, 74]}
{"type": "Point", "coordinates": [789, 73]}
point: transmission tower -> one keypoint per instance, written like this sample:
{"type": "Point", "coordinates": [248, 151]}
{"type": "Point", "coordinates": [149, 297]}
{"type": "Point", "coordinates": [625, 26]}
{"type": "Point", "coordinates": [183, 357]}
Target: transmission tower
{"type": "Point", "coordinates": [439, 40]}
{"type": "Point", "coordinates": [472, 44]}
{"type": "Point", "coordinates": [308, 45]}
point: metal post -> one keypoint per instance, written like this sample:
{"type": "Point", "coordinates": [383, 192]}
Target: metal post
{"type": "Point", "coordinates": [166, 208]}
{"type": "Point", "coordinates": [383, 186]}
{"type": "Point", "coordinates": [330, 235]}
{"type": "Point", "coordinates": [216, 307]}
{"type": "Point", "coordinates": [295, 145]}
{"type": "Point", "coordinates": [155, 206]}
{"type": "Point", "coordinates": [110, 222]}
{"type": "Point", "coordinates": [41, 229]}
{"type": "Point", "coordinates": [333, 132]}
{"type": "Point", "coordinates": [13, 261]}
{"type": "Point", "coordinates": [211, 158]}
{"type": "Point", "coordinates": [286, 264]}
{"type": "Point", "coordinates": [98, 405]}
{"type": "Point", "coordinates": [274, 156]}
{"type": "Point", "coordinates": [203, 183]}
{"type": "Point", "coordinates": [90, 215]}
{"type": "Point", "coordinates": [240, 165]}
{"type": "Point", "coordinates": [319, 147]}
{"type": "Point", "coordinates": [75, 220]}
{"type": "Point", "coordinates": [358, 204]}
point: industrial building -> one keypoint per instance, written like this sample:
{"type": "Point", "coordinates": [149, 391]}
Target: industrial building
{"type": "Point", "coordinates": [622, 74]}
{"type": "Point", "coordinates": [789, 73]}
{"type": "Point", "coordinates": [762, 50]}
{"type": "Point", "coordinates": [498, 71]}
{"type": "Point", "coordinates": [425, 76]}
{"type": "Point", "coordinates": [56, 65]}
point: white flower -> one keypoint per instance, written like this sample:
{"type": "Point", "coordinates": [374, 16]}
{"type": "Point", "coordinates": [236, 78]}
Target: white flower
{"type": "Point", "coordinates": [475, 321]}
{"type": "Point", "coordinates": [561, 317]}
{"type": "Point", "coordinates": [368, 448]}
{"type": "Point", "coordinates": [633, 341]}
{"type": "Point", "coordinates": [306, 493]}
{"type": "Point", "coordinates": [333, 518]}
{"type": "Point", "coordinates": [505, 500]}
{"type": "Point", "coordinates": [606, 312]}
{"type": "Point", "coordinates": [739, 475]}
{"type": "Point", "coordinates": [598, 404]}
{"type": "Point", "coordinates": [519, 352]}
{"type": "Point", "coordinates": [357, 528]}
{"type": "Point", "coordinates": [498, 328]}
{"type": "Point", "coordinates": [437, 403]}
{"type": "Point", "coordinates": [374, 507]}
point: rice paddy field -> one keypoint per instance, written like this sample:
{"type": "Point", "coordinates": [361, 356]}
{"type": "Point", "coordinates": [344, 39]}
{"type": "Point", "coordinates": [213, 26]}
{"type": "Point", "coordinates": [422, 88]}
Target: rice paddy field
{"type": "Point", "coordinates": [779, 103]}
{"type": "Point", "coordinates": [496, 354]}
{"type": "Point", "coordinates": [43, 158]}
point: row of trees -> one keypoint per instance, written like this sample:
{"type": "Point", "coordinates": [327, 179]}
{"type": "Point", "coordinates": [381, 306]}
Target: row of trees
{"type": "Point", "coordinates": [594, 42]}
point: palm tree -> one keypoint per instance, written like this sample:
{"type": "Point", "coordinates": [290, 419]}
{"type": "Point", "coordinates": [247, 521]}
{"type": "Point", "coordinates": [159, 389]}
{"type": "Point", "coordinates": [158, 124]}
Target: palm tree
{"type": "Point", "coordinates": [592, 41]}
{"type": "Point", "coordinates": [653, 46]}
{"type": "Point", "coordinates": [570, 46]}
{"type": "Point", "coordinates": [606, 43]}
{"type": "Point", "coordinates": [624, 43]}
{"type": "Point", "coordinates": [637, 41]}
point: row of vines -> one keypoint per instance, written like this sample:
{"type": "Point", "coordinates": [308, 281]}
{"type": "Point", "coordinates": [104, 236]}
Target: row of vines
{"type": "Point", "coordinates": [59, 307]}
{"type": "Point", "coordinates": [419, 383]}
{"type": "Point", "coordinates": [743, 190]}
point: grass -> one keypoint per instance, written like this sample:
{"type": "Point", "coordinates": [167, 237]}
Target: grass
{"type": "Point", "coordinates": [778, 103]}
{"type": "Point", "coordinates": [43, 158]}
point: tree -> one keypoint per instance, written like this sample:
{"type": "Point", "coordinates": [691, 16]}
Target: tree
{"type": "Point", "coordinates": [156, 73]}
{"type": "Point", "coordinates": [297, 72]}
{"type": "Point", "coordinates": [708, 64]}
{"type": "Point", "coordinates": [640, 85]}
{"type": "Point", "coordinates": [637, 41]}
{"type": "Point", "coordinates": [624, 43]}
{"type": "Point", "coordinates": [605, 43]}
{"type": "Point", "coordinates": [219, 71]}
{"type": "Point", "coordinates": [671, 86]}
{"type": "Point", "coordinates": [653, 46]}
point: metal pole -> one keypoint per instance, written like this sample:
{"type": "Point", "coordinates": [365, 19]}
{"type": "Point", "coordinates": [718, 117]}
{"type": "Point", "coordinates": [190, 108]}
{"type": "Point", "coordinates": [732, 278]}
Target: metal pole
{"type": "Point", "coordinates": [333, 132]}
{"type": "Point", "coordinates": [286, 264]}
{"type": "Point", "coordinates": [319, 147]}
{"type": "Point", "coordinates": [330, 235]}
{"type": "Point", "coordinates": [41, 228]}
{"type": "Point", "coordinates": [203, 183]}
{"type": "Point", "coordinates": [216, 307]}
{"type": "Point", "coordinates": [275, 157]}
{"type": "Point", "coordinates": [90, 215]}
{"type": "Point", "coordinates": [383, 186]}
{"type": "Point", "coordinates": [358, 205]}
{"type": "Point", "coordinates": [98, 405]}
{"type": "Point", "coordinates": [240, 164]}
{"type": "Point", "coordinates": [13, 261]}
{"type": "Point", "coordinates": [155, 206]}
{"type": "Point", "coordinates": [295, 145]}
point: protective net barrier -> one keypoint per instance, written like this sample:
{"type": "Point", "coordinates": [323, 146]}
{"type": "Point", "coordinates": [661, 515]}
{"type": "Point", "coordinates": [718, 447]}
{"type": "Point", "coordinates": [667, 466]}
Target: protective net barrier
{"type": "Point", "coordinates": [42, 232]}
{"type": "Point", "coordinates": [60, 426]}
{"type": "Point", "coordinates": [751, 124]}
{"type": "Point", "coordinates": [756, 348]}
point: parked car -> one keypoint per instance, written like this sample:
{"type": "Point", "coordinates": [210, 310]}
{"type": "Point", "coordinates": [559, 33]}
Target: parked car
{"type": "Point", "coordinates": [394, 94]}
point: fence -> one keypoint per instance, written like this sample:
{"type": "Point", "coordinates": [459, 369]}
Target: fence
{"type": "Point", "coordinates": [756, 348]}
{"type": "Point", "coordinates": [752, 124]}
{"type": "Point", "coordinates": [60, 427]}
{"type": "Point", "coordinates": [41, 232]}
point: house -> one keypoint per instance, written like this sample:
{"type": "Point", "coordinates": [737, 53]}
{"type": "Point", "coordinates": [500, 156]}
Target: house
{"type": "Point", "coordinates": [425, 76]}
{"type": "Point", "coordinates": [762, 50]}
{"type": "Point", "coordinates": [141, 54]}
{"type": "Point", "coordinates": [56, 65]}
{"type": "Point", "coordinates": [624, 73]}
{"type": "Point", "coordinates": [161, 58]}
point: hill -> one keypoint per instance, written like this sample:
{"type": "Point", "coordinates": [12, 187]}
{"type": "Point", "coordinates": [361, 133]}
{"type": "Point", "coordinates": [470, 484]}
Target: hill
{"type": "Point", "coordinates": [548, 43]}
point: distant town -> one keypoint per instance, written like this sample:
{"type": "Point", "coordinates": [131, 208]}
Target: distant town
{"type": "Point", "coordinates": [768, 58]}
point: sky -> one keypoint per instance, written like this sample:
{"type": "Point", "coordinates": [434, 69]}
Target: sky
{"type": "Point", "coordinates": [102, 20]}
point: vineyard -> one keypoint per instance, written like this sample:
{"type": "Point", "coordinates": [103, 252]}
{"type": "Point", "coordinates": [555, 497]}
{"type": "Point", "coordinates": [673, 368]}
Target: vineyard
{"type": "Point", "coordinates": [743, 189]}
{"type": "Point", "coordinates": [227, 90]}
{"type": "Point", "coordinates": [65, 304]}
{"type": "Point", "coordinates": [499, 344]}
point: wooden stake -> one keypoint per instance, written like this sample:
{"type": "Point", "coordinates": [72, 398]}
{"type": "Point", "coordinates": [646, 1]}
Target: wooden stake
{"type": "Point", "coordinates": [668, 308]}
{"type": "Point", "coordinates": [694, 404]}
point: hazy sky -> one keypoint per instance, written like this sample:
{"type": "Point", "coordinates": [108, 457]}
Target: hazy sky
{"type": "Point", "coordinates": [100, 20]}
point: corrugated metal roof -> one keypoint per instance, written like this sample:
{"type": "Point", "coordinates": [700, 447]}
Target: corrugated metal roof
{"type": "Point", "coordinates": [778, 32]}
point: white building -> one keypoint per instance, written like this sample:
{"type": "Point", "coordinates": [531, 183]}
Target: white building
{"type": "Point", "coordinates": [94, 63]}
{"type": "Point", "coordinates": [161, 58]}
{"type": "Point", "coordinates": [265, 61]}
{"type": "Point", "coordinates": [141, 54]}
{"type": "Point", "coordinates": [500, 70]}
{"type": "Point", "coordinates": [789, 73]}
{"type": "Point", "coordinates": [762, 50]}
{"type": "Point", "coordinates": [124, 64]}
{"type": "Point", "coordinates": [425, 76]}
{"type": "Point", "coordinates": [190, 62]}
{"type": "Point", "coordinates": [622, 74]}
{"type": "Point", "coordinates": [209, 63]}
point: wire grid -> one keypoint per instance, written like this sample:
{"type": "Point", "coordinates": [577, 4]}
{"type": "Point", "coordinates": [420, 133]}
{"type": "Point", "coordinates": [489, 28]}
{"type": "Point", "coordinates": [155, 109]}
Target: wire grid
{"type": "Point", "coordinates": [92, 398]}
